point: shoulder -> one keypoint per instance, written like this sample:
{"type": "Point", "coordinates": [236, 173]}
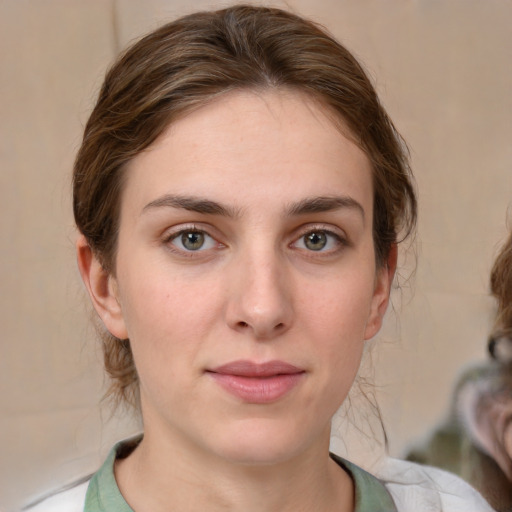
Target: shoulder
{"type": "Point", "coordinates": [425, 489]}
{"type": "Point", "coordinates": [71, 499]}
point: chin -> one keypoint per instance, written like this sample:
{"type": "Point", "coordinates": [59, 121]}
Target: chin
{"type": "Point", "coordinates": [263, 442]}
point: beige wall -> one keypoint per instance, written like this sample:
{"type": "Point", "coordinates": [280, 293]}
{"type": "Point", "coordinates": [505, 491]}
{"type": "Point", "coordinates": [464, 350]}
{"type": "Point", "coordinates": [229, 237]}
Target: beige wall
{"type": "Point", "coordinates": [443, 70]}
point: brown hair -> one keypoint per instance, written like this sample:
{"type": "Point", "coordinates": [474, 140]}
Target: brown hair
{"type": "Point", "coordinates": [189, 62]}
{"type": "Point", "coordinates": [501, 288]}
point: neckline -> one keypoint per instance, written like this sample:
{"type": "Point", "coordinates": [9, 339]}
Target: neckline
{"type": "Point", "coordinates": [103, 493]}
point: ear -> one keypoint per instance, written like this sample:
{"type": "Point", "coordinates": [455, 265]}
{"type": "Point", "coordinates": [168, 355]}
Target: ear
{"type": "Point", "coordinates": [380, 299]}
{"type": "Point", "coordinates": [102, 288]}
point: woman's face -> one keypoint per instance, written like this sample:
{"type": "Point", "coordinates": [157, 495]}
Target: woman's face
{"type": "Point", "coordinates": [245, 276]}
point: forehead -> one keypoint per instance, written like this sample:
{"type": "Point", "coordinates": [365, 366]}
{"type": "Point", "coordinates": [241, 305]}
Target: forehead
{"type": "Point", "coordinates": [249, 142]}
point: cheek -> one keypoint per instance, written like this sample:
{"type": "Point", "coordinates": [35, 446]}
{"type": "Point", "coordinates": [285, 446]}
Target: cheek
{"type": "Point", "coordinates": [340, 307]}
{"type": "Point", "coordinates": [336, 316]}
{"type": "Point", "coordinates": [168, 323]}
{"type": "Point", "coordinates": [167, 316]}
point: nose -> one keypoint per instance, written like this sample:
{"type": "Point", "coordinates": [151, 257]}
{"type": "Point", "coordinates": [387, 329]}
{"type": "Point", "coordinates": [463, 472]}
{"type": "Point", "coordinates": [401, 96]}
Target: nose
{"type": "Point", "coordinates": [260, 301]}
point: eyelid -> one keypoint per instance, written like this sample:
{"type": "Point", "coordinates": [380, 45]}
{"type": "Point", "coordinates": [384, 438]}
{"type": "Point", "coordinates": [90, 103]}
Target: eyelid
{"type": "Point", "coordinates": [325, 228]}
{"type": "Point", "coordinates": [174, 231]}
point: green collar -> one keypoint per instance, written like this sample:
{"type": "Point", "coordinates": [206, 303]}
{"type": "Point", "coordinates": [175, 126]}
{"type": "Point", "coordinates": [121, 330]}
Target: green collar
{"type": "Point", "coordinates": [370, 493]}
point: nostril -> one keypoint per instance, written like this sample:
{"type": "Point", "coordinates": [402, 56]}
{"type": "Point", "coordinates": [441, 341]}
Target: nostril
{"type": "Point", "coordinates": [277, 327]}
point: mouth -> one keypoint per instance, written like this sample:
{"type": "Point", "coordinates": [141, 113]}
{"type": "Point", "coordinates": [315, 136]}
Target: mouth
{"type": "Point", "coordinates": [257, 383]}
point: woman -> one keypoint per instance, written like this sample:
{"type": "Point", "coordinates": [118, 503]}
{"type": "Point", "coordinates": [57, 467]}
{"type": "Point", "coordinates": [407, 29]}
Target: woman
{"type": "Point", "coordinates": [240, 193]}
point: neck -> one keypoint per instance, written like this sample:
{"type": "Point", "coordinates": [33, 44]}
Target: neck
{"type": "Point", "coordinates": [163, 476]}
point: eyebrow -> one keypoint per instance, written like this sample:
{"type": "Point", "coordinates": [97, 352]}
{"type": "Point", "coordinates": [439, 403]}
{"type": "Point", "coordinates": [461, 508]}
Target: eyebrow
{"type": "Point", "coordinates": [324, 204]}
{"type": "Point", "coordinates": [193, 204]}
{"type": "Point", "coordinates": [317, 204]}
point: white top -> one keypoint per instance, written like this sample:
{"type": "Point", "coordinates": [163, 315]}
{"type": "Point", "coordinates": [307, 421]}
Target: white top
{"type": "Point", "coordinates": [418, 488]}
{"type": "Point", "coordinates": [71, 500]}
{"type": "Point", "coordinates": [414, 488]}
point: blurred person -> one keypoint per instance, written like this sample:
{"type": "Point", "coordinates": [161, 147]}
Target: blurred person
{"type": "Point", "coordinates": [476, 440]}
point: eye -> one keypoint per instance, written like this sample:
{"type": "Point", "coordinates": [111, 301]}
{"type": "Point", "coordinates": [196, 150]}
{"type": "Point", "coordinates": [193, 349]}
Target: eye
{"type": "Point", "coordinates": [192, 240]}
{"type": "Point", "coordinates": [319, 240]}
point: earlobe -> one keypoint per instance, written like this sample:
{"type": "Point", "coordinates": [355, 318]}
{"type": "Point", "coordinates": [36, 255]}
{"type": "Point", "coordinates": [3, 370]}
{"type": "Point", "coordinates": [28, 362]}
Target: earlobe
{"type": "Point", "coordinates": [102, 288]}
{"type": "Point", "coordinates": [380, 300]}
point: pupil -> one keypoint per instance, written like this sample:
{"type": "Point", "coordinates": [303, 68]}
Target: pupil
{"type": "Point", "coordinates": [316, 241]}
{"type": "Point", "coordinates": [192, 240]}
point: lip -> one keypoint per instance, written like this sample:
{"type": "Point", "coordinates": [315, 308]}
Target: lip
{"type": "Point", "coordinates": [257, 383]}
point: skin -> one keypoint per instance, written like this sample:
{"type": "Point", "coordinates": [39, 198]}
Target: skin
{"type": "Point", "coordinates": [254, 291]}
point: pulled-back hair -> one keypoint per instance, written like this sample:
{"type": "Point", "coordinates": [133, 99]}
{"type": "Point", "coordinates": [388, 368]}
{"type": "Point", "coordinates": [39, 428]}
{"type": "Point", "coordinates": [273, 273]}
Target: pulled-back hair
{"type": "Point", "coordinates": [191, 61]}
